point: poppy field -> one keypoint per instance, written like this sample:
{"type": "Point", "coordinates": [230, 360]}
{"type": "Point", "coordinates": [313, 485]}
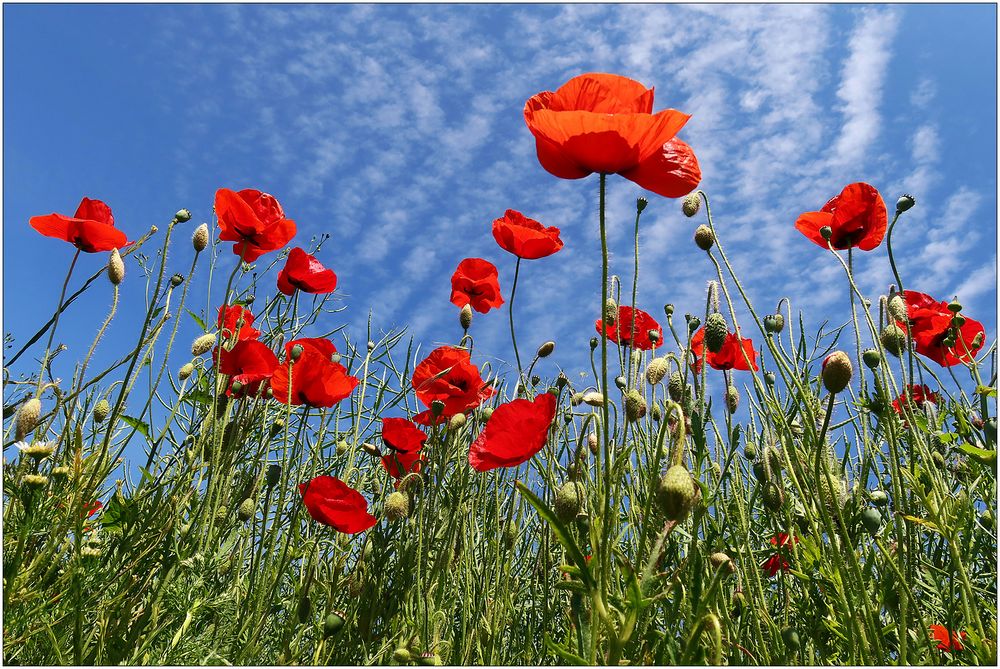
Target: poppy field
{"type": "Point", "coordinates": [715, 490]}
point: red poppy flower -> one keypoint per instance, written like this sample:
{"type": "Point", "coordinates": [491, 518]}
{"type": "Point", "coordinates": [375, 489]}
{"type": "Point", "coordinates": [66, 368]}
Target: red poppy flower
{"type": "Point", "coordinates": [525, 237]}
{"type": "Point", "coordinates": [514, 433]}
{"type": "Point", "coordinates": [947, 640]}
{"type": "Point", "coordinates": [400, 464]}
{"type": "Point", "coordinates": [919, 394]}
{"type": "Point", "coordinates": [402, 435]}
{"type": "Point", "coordinates": [621, 331]}
{"type": "Point", "coordinates": [857, 217]}
{"type": "Point", "coordinates": [604, 123]}
{"type": "Point", "coordinates": [777, 562]}
{"type": "Point", "coordinates": [332, 502]}
{"type": "Point", "coordinates": [236, 319]}
{"type": "Point", "coordinates": [730, 356]}
{"type": "Point", "coordinates": [312, 379]}
{"type": "Point", "coordinates": [448, 375]}
{"type": "Point", "coordinates": [931, 325]}
{"type": "Point", "coordinates": [250, 363]}
{"type": "Point", "coordinates": [254, 220]}
{"type": "Point", "coordinates": [303, 272]}
{"type": "Point", "coordinates": [476, 283]}
{"type": "Point", "coordinates": [90, 229]}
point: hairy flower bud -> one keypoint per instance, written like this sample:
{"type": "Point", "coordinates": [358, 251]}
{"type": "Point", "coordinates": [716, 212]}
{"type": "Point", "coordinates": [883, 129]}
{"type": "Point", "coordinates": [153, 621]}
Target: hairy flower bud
{"type": "Point", "coordinates": [570, 500]}
{"type": "Point", "coordinates": [716, 330]}
{"type": "Point", "coordinates": [676, 493]}
{"type": "Point", "coordinates": [773, 496]}
{"type": "Point", "coordinates": [723, 561]}
{"type": "Point", "coordinates": [691, 204]}
{"type": "Point", "coordinates": [457, 422]}
{"type": "Point", "coordinates": [897, 307]}
{"type": "Point", "coordinates": [203, 344]}
{"type": "Point", "coordinates": [27, 417]}
{"type": "Point", "coordinates": [656, 370]}
{"type": "Point", "coordinates": [200, 238]}
{"type": "Point", "coordinates": [594, 399]}
{"type": "Point", "coordinates": [116, 267]}
{"type": "Point", "coordinates": [675, 386]}
{"type": "Point", "coordinates": [893, 339]}
{"type": "Point", "coordinates": [635, 405]}
{"type": "Point", "coordinates": [246, 510]}
{"type": "Point", "coordinates": [704, 238]}
{"type": "Point", "coordinates": [610, 311]}
{"type": "Point", "coordinates": [101, 411]}
{"type": "Point", "coordinates": [837, 371]}
{"type": "Point", "coordinates": [397, 506]}
{"type": "Point", "coordinates": [465, 317]}
{"type": "Point", "coordinates": [545, 350]}
{"type": "Point", "coordinates": [774, 323]}
{"type": "Point", "coordinates": [592, 442]}
{"type": "Point", "coordinates": [732, 399]}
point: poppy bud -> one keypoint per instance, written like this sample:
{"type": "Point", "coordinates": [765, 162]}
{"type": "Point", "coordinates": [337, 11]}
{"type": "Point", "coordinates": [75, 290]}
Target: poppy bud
{"type": "Point", "coordinates": [897, 307]}
{"type": "Point", "coordinates": [872, 520]}
{"type": "Point", "coordinates": [402, 655]}
{"type": "Point", "coordinates": [772, 459]}
{"type": "Point", "coordinates": [620, 383]}
{"type": "Point", "coordinates": [570, 500]}
{"type": "Point", "coordinates": [774, 323]}
{"type": "Point", "coordinates": [176, 280]}
{"type": "Point", "coordinates": [759, 471]}
{"type": "Point", "coordinates": [878, 497]}
{"type": "Point", "coordinates": [371, 449]}
{"type": "Point", "coordinates": [27, 417]}
{"type": "Point", "coordinates": [465, 317]}
{"type": "Point", "coordinates": [486, 413]}
{"type": "Point", "coordinates": [835, 495]}
{"type": "Point", "coordinates": [937, 459]}
{"type": "Point", "coordinates": [732, 399]}
{"type": "Point", "coordinates": [236, 388]}
{"type": "Point", "coordinates": [635, 405]}
{"type": "Point", "coordinates": [675, 386]}
{"type": "Point", "coordinates": [837, 371]}
{"type": "Point", "coordinates": [273, 475]}
{"type": "Point", "coordinates": [750, 452]}
{"type": "Point", "coordinates": [703, 237]}
{"type": "Point", "coordinates": [691, 204]}
{"type": "Point", "coordinates": [185, 371]}
{"type": "Point", "coordinates": [246, 510]}
{"type": "Point", "coordinates": [296, 352]}
{"type": "Point", "coordinates": [769, 378]}
{"type": "Point", "coordinates": [693, 322]}
{"type": "Point", "coordinates": [101, 411]}
{"type": "Point", "coordinates": [397, 506]}
{"type": "Point", "coordinates": [871, 358]}
{"type": "Point", "coordinates": [333, 623]}
{"type": "Point", "coordinates": [826, 232]}
{"type": "Point", "coordinates": [791, 638]}
{"type": "Point", "coordinates": [203, 344]}
{"type": "Point", "coordinates": [668, 310]}
{"type": "Point", "coordinates": [721, 560]}
{"type": "Point", "coordinates": [774, 496]}
{"type": "Point", "coordinates": [545, 350]}
{"type": "Point", "coordinates": [116, 267]}
{"type": "Point", "coordinates": [739, 602]}
{"type": "Point", "coordinates": [304, 609]}
{"type": "Point", "coordinates": [715, 332]}
{"type": "Point", "coordinates": [893, 339]}
{"type": "Point", "coordinates": [509, 534]}
{"type": "Point", "coordinates": [904, 203]}
{"type": "Point", "coordinates": [656, 370]}
{"type": "Point", "coordinates": [35, 480]}
{"type": "Point", "coordinates": [610, 311]}
{"type": "Point", "coordinates": [656, 412]}
{"type": "Point", "coordinates": [594, 343]}
{"type": "Point", "coordinates": [676, 493]}
{"type": "Point", "coordinates": [640, 204]}
{"type": "Point", "coordinates": [457, 421]}
{"type": "Point", "coordinates": [593, 399]}
{"type": "Point", "coordinates": [200, 238]}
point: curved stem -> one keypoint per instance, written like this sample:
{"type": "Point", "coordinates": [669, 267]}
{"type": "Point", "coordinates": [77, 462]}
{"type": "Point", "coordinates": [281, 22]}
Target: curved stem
{"type": "Point", "coordinates": [510, 313]}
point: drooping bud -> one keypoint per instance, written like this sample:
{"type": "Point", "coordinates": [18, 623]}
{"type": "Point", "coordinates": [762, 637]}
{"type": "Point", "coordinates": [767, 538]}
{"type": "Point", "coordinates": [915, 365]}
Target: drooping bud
{"type": "Point", "coordinates": [656, 412]}
{"type": "Point", "coordinates": [893, 339]}
{"type": "Point", "coordinates": [304, 609]}
{"type": "Point", "coordinates": [570, 500]}
{"type": "Point", "coordinates": [185, 371]}
{"type": "Point", "coordinates": [465, 317]}
{"type": "Point", "coordinates": [656, 370]}
{"type": "Point", "coordinates": [457, 422]}
{"type": "Point", "coordinates": [246, 510]}
{"type": "Point", "coordinates": [371, 449]}
{"type": "Point", "coordinates": [200, 238]}
{"type": "Point", "coordinates": [723, 561]}
{"type": "Point", "coordinates": [676, 493]}
{"type": "Point", "coordinates": [545, 350]}
{"type": "Point", "coordinates": [872, 358]}
{"type": "Point", "coordinates": [27, 417]}
{"type": "Point", "coordinates": [397, 506]}
{"type": "Point", "coordinates": [691, 204]}
{"type": "Point", "coordinates": [610, 311]}
{"type": "Point", "coordinates": [774, 323]}
{"type": "Point", "coordinates": [750, 452]}
{"type": "Point", "coordinates": [101, 411]}
{"type": "Point", "coordinates": [635, 405]}
{"type": "Point", "coordinates": [732, 399]}
{"type": "Point", "coordinates": [704, 238]}
{"type": "Point", "coordinates": [905, 202]}
{"type": "Point", "coordinates": [715, 332]}
{"type": "Point", "coordinates": [837, 371]}
{"type": "Point", "coordinates": [509, 534]}
{"type": "Point", "coordinates": [203, 344]}
{"type": "Point", "coordinates": [773, 496]}
{"type": "Point", "coordinates": [116, 267]}
{"type": "Point", "coordinates": [486, 413]}
{"type": "Point", "coordinates": [594, 399]}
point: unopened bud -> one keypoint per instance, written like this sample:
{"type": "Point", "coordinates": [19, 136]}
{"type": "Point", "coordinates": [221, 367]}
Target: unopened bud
{"type": "Point", "coordinates": [246, 509]}
{"type": "Point", "coordinates": [185, 371]}
{"type": "Point", "coordinates": [676, 493]}
{"type": "Point", "coordinates": [457, 421]}
{"type": "Point", "coordinates": [893, 339]}
{"type": "Point", "coordinates": [635, 405]}
{"type": "Point", "coordinates": [371, 449]}
{"type": "Point", "coordinates": [656, 412]}
{"type": "Point", "coordinates": [878, 497]}
{"type": "Point", "coordinates": [116, 267]}
{"type": "Point", "coordinates": [704, 238]}
{"type": "Point", "coordinates": [723, 561]}
{"type": "Point", "coordinates": [545, 350]}
{"type": "Point", "coordinates": [732, 399]}
{"type": "Point", "coordinates": [691, 204]}
{"type": "Point", "coordinates": [656, 370]}
{"type": "Point", "coordinates": [200, 238]}
{"type": "Point", "coordinates": [610, 312]}
{"type": "Point", "coordinates": [904, 203]}
{"type": "Point", "coordinates": [594, 399]}
{"type": "Point", "coordinates": [333, 623]}
{"type": "Point", "coordinates": [397, 506]}
{"type": "Point", "coordinates": [770, 378]}
{"type": "Point", "coordinates": [371, 346]}
{"type": "Point", "coordinates": [101, 411]}
{"type": "Point", "coordinates": [675, 386]}
{"type": "Point", "coordinates": [27, 417]}
{"type": "Point", "coordinates": [465, 317]}
{"type": "Point", "coordinates": [897, 307]}
{"type": "Point", "coordinates": [774, 496]}
{"type": "Point", "coordinates": [203, 344]}
{"type": "Point", "coordinates": [791, 638]}
{"type": "Point", "coordinates": [837, 371]}
{"type": "Point", "coordinates": [486, 413]}
{"type": "Point", "coordinates": [570, 500]}
{"type": "Point", "coordinates": [716, 331]}
{"type": "Point", "coordinates": [273, 475]}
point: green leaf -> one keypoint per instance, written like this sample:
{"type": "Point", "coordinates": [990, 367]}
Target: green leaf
{"type": "Point", "coordinates": [986, 390]}
{"type": "Point", "coordinates": [199, 396]}
{"type": "Point", "coordinates": [197, 320]}
{"type": "Point", "coordinates": [922, 521]}
{"type": "Point", "coordinates": [137, 425]}
{"type": "Point", "coordinates": [980, 455]}
{"type": "Point", "coordinates": [561, 533]}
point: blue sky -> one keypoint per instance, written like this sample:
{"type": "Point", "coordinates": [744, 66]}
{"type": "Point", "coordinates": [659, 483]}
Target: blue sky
{"type": "Point", "coordinates": [398, 130]}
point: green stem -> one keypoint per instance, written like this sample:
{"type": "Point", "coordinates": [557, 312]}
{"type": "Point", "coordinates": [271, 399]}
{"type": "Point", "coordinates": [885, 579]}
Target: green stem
{"type": "Point", "coordinates": [55, 324]}
{"type": "Point", "coordinates": [510, 313]}
{"type": "Point", "coordinates": [605, 414]}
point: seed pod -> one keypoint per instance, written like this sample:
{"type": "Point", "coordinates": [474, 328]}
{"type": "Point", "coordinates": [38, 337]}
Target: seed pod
{"type": "Point", "coordinates": [760, 471]}
{"type": "Point", "coordinates": [402, 655]}
{"type": "Point", "coordinates": [769, 378]}
{"type": "Point", "coordinates": [116, 267]}
{"type": "Point", "coordinates": [693, 322]}
{"type": "Point", "coordinates": [486, 413]}
{"type": "Point", "coordinates": [333, 623]}
{"type": "Point", "coordinates": [872, 358]}
{"type": "Point", "coordinates": [723, 561]}
{"type": "Point", "coordinates": [176, 280]}
{"type": "Point", "coordinates": [703, 237]}
{"type": "Point", "coordinates": [878, 497]}
{"type": "Point", "coordinates": [246, 509]}
{"type": "Point", "coordinates": [791, 638]}
{"type": "Point", "coordinates": [465, 317]}
{"type": "Point", "coordinates": [904, 203]}
{"type": "Point", "coordinates": [635, 405]}
{"type": "Point", "coordinates": [570, 500]}
{"type": "Point", "coordinates": [101, 411]}
{"type": "Point", "coordinates": [676, 493]}
{"type": "Point", "coordinates": [826, 232]}
{"type": "Point", "coordinates": [200, 238]}
{"type": "Point", "coordinates": [872, 520]}
{"type": "Point", "coordinates": [273, 475]}
{"type": "Point", "coordinates": [27, 418]}
{"type": "Point", "coordinates": [397, 506]}
{"type": "Point", "coordinates": [691, 204]}
{"type": "Point", "coordinates": [203, 344]}
{"type": "Point", "coordinates": [774, 323]}
{"type": "Point", "coordinates": [545, 350]}
{"type": "Point", "coordinates": [837, 371]}
{"type": "Point", "coordinates": [715, 332]}
{"type": "Point", "coordinates": [732, 399]}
